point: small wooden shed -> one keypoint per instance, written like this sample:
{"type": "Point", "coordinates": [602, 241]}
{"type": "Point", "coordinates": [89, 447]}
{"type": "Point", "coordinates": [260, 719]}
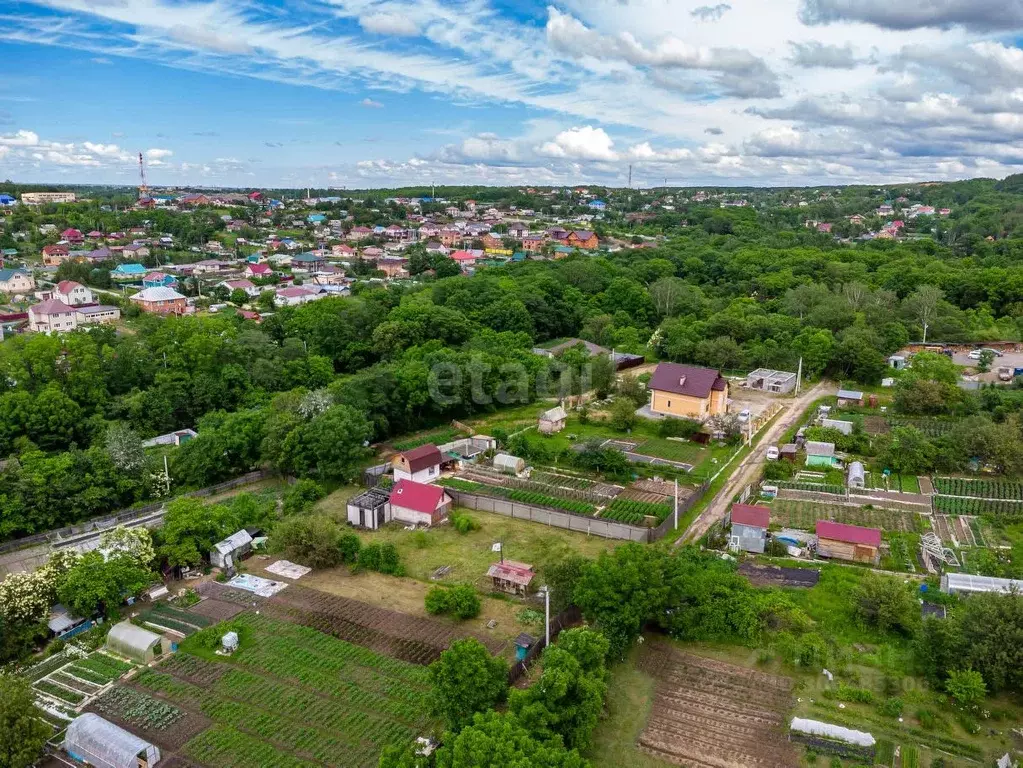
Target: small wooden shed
{"type": "Point", "coordinates": [512, 577]}
{"type": "Point", "coordinates": [848, 542]}
{"type": "Point", "coordinates": [552, 421]}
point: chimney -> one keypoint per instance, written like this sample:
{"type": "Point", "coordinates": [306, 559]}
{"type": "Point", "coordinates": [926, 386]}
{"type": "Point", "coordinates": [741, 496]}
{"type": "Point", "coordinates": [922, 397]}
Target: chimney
{"type": "Point", "coordinates": [682, 381]}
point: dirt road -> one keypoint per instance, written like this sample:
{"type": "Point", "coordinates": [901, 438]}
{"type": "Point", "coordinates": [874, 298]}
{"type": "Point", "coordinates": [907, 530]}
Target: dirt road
{"type": "Point", "coordinates": [749, 469]}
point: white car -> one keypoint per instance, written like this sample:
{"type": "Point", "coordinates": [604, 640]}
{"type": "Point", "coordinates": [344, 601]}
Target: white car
{"type": "Point", "coordinates": [744, 415]}
{"type": "Point", "coordinates": [975, 354]}
{"type": "Point", "coordinates": [772, 453]}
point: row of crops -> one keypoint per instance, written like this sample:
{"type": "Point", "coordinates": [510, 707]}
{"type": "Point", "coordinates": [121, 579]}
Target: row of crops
{"type": "Point", "coordinates": [636, 512]}
{"type": "Point", "coordinates": [795, 485]}
{"type": "Point", "coordinates": [163, 615]}
{"type": "Point", "coordinates": [955, 505]}
{"type": "Point", "coordinates": [931, 427]}
{"type": "Point", "coordinates": [980, 487]}
{"type": "Point", "coordinates": [520, 495]}
{"type": "Point", "coordinates": [139, 709]}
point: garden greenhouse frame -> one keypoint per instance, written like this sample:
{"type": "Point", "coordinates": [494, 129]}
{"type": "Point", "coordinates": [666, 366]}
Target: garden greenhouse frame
{"type": "Point", "coordinates": [93, 740]}
{"type": "Point", "coordinates": [135, 643]}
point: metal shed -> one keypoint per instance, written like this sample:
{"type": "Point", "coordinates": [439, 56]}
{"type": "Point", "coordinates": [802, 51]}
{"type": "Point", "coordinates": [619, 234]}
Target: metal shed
{"type": "Point", "coordinates": [93, 740]}
{"type": "Point", "coordinates": [511, 465]}
{"type": "Point", "coordinates": [856, 477]}
{"type": "Point", "coordinates": [135, 643]}
{"type": "Point", "coordinates": [227, 552]}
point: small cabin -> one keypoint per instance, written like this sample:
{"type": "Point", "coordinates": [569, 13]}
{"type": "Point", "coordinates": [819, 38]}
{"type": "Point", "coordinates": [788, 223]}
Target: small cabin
{"type": "Point", "coordinates": [749, 528]}
{"type": "Point", "coordinates": [552, 421]}
{"type": "Point", "coordinates": [227, 553]}
{"type": "Point", "coordinates": [512, 577]}
{"type": "Point", "coordinates": [849, 397]}
{"type": "Point", "coordinates": [848, 542]}
{"type": "Point", "coordinates": [820, 454]}
{"type": "Point", "coordinates": [421, 464]}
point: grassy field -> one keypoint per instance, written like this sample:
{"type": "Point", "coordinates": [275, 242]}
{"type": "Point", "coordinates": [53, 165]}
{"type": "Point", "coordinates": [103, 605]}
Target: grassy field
{"type": "Point", "coordinates": [469, 555]}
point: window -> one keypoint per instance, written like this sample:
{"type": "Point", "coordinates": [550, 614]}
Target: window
{"type": "Point", "coordinates": [669, 403]}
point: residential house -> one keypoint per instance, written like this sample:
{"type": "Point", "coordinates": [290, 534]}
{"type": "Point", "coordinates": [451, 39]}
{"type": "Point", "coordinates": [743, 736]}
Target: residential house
{"type": "Point", "coordinates": [52, 316]}
{"type": "Point", "coordinates": [393, 268]}
{"type": "Point", "coordinates": [532, 243]}
{"type": "Point", "coordinates": [16, 281]}
{"type": "Point", "coordinates": [467, 259]}
{"type": "Point", "coordinates": [583, 239]}
{"type": "Point", "coordinates": [159, 280]}
{"type": "Point", "coordinates": [136, 251]}
{"type": "Point", "coordinates": [343, 251]}
{"type": "Point", "coordinates": [451, 237]}
{"type": "Point", "coordinates": [316, 218]}
{"type": "Point", "coordinates": [94, 235]}
{"type": "Point", "coordinates": [257, 270]}
{"type": "Point", "coordinates": [435, 247]}
{"type": "Point", "coordinates": [824, 228]}
{"type": "Point", "coordinates": [686, 391]}
{"type": "Point", "coordinates": [517, 230]}
{"type": "Point", "coordinates": [749, 528]}
{"type": "Point", "coordinates": [394, 232]}
{"type": "Point", "coordinates": [596, 205]}
{"type": "Point", "coordinates": [72, 293]}
{"type": "Point", "coordinates": [360, 233]}
{"type": "Point", "coordinates": [885, 210]}
{"type": "Point", "coordinates": [55, 255]}
{"type": "Point", "coordinates": [73, 236]}
{"type": "Point", "coordinates": [418, 503]}
{"type": "Point", "coordinates": [95, 256]}
{"type": "Point", "coordinates": [512, 577]}
{"type": "Point", "coordinates": [308, 261]}
{"type": "Point", "coordinates": [251, 290]}
{"type": "Point", "coordinates": [161, 301]}
{"type": "Point", "coordinates": [492, 242]}
{"type": "Point", "coordinates": [210, 266]}
{"type": "Point", "coordinates": [128, 272]}
{"type": "Point", "coordinates": [421, 464]}
{"type": "Point", "coordinates": [848, 542]}
{"type": "Point", "coordinates": [293, 295]}
{"type": "Point", "coordinates": [820, 454]}
{"type": "Point", "coordinates": [552, 421]}
{"type": "Point", "coordinates": [193, 201]}
{"type": "Point", "coordinates": [856, 219]}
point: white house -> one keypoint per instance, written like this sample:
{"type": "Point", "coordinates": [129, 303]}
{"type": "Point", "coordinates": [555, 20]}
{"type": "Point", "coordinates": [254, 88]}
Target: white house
{"type": "Point", "coordinates": [72, 293]}
{"type": "Point", "coordinates": [52, 316]}
{"type": "Point", "coordinates": [419, 503]}
{"type": "Point", "coordinates": [15, 281]}
{"type": "Point", "coordinates": [251, 290]}
{"type": "Point", "coordinates": [421, 464]}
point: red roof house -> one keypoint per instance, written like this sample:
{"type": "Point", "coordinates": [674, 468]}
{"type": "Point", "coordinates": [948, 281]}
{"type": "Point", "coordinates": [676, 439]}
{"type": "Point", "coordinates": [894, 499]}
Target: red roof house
{"type": "Point", "coordinates": [419, 503]}
{"type": "Point", "coordinates": [848, 542]}
{"type": "Point", "coordinates": [748, 514]}
{"type": "Point", "coordinates": [72, 236]}
{"type": "Point", "coordinates": [421, 464]}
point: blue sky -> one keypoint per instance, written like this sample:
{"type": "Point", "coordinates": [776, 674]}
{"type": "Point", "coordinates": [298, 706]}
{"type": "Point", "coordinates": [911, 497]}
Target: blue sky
{"type": "Point", "coordinates": [380, 92]}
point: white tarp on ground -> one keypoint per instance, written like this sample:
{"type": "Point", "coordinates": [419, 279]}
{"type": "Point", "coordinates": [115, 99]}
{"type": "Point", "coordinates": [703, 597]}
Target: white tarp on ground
{"type": "Point", "coordinates": [257, 585]}
{"type": "Point", "coordinates": [829, 731]}
{"type": "Point", "coordinates": [288, 570]}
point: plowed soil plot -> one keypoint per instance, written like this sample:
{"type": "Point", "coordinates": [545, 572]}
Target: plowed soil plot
{"type": "Point", "coordinates": [709, 714]}
{"type": "Point", "coordinates": [218, 610]}
{"type": "Point", "coordinates": [777, 576]}
{"type": "Point", "coordinates": [409, 638]}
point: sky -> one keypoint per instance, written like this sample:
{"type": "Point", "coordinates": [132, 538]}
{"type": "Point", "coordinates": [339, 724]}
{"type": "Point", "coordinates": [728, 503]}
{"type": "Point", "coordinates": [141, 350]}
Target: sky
{"type": "Point", "coordinates": [377, 93]}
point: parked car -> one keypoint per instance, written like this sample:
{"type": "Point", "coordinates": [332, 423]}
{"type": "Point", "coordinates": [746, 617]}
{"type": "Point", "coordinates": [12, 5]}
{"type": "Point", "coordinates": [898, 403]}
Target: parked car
{"type": "Point", "coordinates": [744, 415]}
{"type": "Point", "coordinates": [772, 453]}
{"type": "Point", "coordinates": [975, 354]}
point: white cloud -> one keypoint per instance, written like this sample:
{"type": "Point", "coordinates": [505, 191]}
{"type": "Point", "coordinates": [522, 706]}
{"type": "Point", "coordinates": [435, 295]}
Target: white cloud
{"type": "Point", "coordinates": [368, 102]}
{"type": "Point", "coordinates": [22, 138]}
{"type": "Point", "coordinates": [389, 24]}
{"type": "Point", "coordinates": [158, 154]}
{"type": "Point", "coordinates": [583, 143]}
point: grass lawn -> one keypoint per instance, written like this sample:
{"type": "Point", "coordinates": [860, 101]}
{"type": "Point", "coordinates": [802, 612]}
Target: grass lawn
{"type": "Point", "coordinates": [470, 555]}
{"type": "Point", "coordinates": [629, 695]}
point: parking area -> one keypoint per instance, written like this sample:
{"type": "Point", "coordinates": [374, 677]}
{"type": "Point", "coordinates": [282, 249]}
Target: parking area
{"type": "Point", "coordinates": [757, 402]}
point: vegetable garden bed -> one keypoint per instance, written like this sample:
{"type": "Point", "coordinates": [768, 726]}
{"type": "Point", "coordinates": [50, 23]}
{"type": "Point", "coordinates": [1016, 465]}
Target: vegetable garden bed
{"type": "Point", "coordinates": [955, 505]}
{"type": "Point", "coordinates": [980, 487]}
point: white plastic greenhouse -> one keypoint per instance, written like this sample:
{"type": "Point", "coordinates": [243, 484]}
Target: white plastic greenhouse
{"type": "Point", "coordinates": [511, 465]}
{"type": "Point", "coordinates": [93, 740]}
{"type": "Point", "coordinates": [829, 731]}
{"type": "Point", "coordinates": [134, 643]}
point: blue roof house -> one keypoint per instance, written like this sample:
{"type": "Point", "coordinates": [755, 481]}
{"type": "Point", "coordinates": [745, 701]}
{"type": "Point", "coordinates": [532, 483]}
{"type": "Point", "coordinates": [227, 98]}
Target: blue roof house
{"type": "Point", "coordinates": [7, 200]}
{"type": "Point", "coordinates": [316, 218]}
{"type": "Point", "coordinates": [128, 272]}
{"type": "Point", "coordinates": [597, 205]}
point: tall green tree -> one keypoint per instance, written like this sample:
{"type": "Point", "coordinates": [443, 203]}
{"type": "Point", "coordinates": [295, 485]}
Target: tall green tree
{"type": "Point", "coordinates": [22, 733]}
{"type": "Point", "coordinates": [467, 680]}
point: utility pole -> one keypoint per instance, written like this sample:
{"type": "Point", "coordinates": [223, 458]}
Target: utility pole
{"type": "Point", "coordinates": [630, 175]}
{"type": "Point", "coordinates": [799, 376]}
{"type": "Point", "coordinates": [676, 503]}
{"type": "Point", "coordinates": [546, 615]}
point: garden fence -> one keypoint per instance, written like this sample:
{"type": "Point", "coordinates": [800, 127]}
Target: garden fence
{"type": "Point", "coordinates": [568, 617]}
{"type": "Point", "coordinates": [608, 529]}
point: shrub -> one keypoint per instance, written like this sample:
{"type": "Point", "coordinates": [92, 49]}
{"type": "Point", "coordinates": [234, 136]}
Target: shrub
{"type": "Point", "coordinates": [460, 601]}
{"type": "Point", "coordinates": [420, 540]}
{"type": "Point", "coordinates": [301, 496]}
{"type": "Point", "coordinates": [966, 687]}
{"type": "Point", "coordinates": [438, 601]}
{"type": "Point", "coordinates": [463, 523]}
{"type": "Point", "coordinates": [369, 557]}
{"type": "Point", "coordinates": [671, 427]}
{"type": "Point", "coordinates": [465, 603]}
{"type": "Point", "coordinates": [349, 545]}
{"type": "Point", "coordinates": [390, 562]}
{"type": "Point", "coordinates": [891, 707]}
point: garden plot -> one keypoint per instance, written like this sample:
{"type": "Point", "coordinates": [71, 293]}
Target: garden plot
{"type": "Point", "coordinates": [216, 610]}
{"type": "Point", "coordinates": [1010, 490]}
{"type": "Point", "coordinates": [579, 502]}
{"type": "Point", "coordinates": [164, 617]}
{"type": "Point", "coordinates": [155, 720]}
{"type": "Point", "coordinates": [709, 714]}
{"type": "Point", "coordinates": [805, 514]}
{"type": "Point", "coordinates": [74, 683]}
{"type": "Point", "coordinates": [290, 697]}
{"type": "Point", "coordinates": [971, 505]}
{"type": "Point", "coordinates": [959, 531]}
{"type": "Point", "coordinates": [655, 492]}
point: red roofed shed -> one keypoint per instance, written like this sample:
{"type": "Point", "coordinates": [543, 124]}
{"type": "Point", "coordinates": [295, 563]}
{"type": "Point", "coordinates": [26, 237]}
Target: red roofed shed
{"type": "Point", "coordinates": [848, 542]}
{"type": "Point", "coordinates": [748, 514]}
{"type": "Point", "coordinates": [512, 577]}
{"type": "Point", "coordinates": [419, 503]}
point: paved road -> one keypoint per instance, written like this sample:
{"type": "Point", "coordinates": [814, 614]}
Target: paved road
{"type": "Point", "coordinates": [749, 469]}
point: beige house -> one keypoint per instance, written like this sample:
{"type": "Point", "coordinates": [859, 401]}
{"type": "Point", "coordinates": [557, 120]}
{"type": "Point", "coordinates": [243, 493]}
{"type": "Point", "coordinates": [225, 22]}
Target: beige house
{"type": "Point", "coordinates": [16, 281]}
{"type": "Point", "coordinates": [52, 315]}
{"type": "Point", "coordinates": [688, 392]}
